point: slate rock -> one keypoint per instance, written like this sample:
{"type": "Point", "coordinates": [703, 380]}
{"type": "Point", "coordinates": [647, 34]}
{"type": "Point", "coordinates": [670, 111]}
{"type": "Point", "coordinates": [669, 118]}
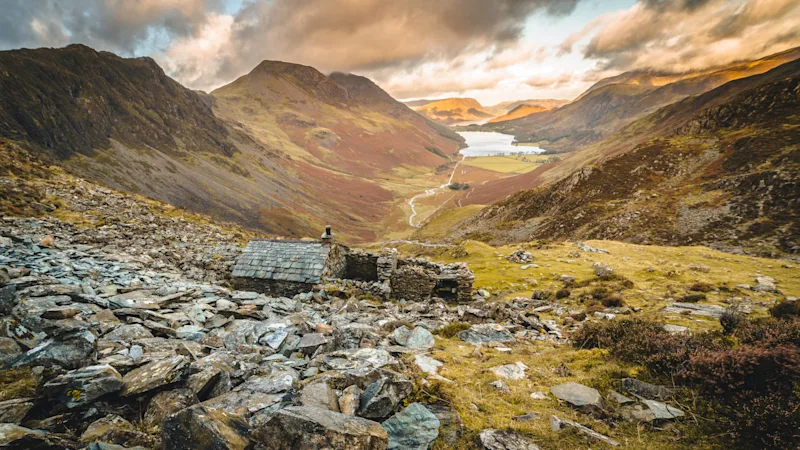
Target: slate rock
{"type": "Point", "coordinates": [301, 427]}
{"type": "Point", "coordinates": [68, 351]}
{"type": "Point", "coordinates": [15, 410]}
{"type": "Point", "coordinates": [165, 403]}
{"type": "Point", "coordinates": [115, 430]}
{"type": "Point", "coordinates": [128, 333]}
{"type": "Point", "coordinates": [9, 349]}
{"type": "Point", "coordinates": [349, 400]}
{"type": "Point", "coordinates": [485, 333]}
{"type": "Point", "coordinates": [427, 364]}
{"type": "Point", "coordinates": [578, 395]}
{"type": "Point", "coordinates": [202, 428]}
{"type": "Point", "coordinates": [319, 395]}
{"type": "Point", "coordinates": [413, 428]}
{"type": "Point", "coordinates": [20, 438]}
{"type": "Point", "coordinates": [8, 299]}
{"type": "Point", "coordinates": [380, 399]}
{"type": "Point", "coordinates": [420, 338]}
{"type": "Point", "coordinates": [310, 342]}
{"type": "Point", "coordinates": [505, 440]}
{"type": "Point", "coordinates": [646, 390]}
{"type": "Point", "coordinates": [515, 371]}
{"type": "Point", "coordinates": [154, 375]}
{"type": "Point", "coordinates": [650, 411]}
{"type": "Point", "coordinates": [80, 387]}
{"type": "Point", "coordinates": [451, 427]}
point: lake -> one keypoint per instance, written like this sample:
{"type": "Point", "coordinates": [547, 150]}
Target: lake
{"type": "Point", "coordinates": [492, 144]}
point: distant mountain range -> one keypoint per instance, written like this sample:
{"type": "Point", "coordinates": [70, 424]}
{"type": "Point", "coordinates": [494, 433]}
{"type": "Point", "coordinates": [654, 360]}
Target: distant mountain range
{"type": "Point", "coordinates": [284, 148]}
{"type": "Point", "coordinates": [460, 111]}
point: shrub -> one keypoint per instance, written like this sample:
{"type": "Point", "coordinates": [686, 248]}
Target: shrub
{"type": "Point", "coordinates": [693, 298]}
{"type": "Point", "coordinates": [785, 310]}
{"type": "Point", "coordinates": [562, 293]}
{"type": "Point", "coordinates": [730, 320]}
{"type": "Point", "coordinates": [769, 332]}
{"type": "Point", "coordinates": [600, 292]}
{"type": "Point", "coordinates": [754, 386]}
{"type": "Point", "coordinates": [757, 388]}
{"type": "Point", "coordinates": [613, 301]}
{"type": "Point", "coordinates": [701, 287]}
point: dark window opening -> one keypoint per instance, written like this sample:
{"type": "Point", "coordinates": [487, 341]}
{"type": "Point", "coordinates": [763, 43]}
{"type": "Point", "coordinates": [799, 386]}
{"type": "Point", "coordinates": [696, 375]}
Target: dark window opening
{"type": "Point", "coordinates": [446, 288]}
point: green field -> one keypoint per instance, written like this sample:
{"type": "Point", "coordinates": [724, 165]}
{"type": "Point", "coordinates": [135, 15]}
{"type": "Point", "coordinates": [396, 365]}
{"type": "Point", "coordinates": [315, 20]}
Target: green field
{"type": "Point", "coordinates": [507, 164]}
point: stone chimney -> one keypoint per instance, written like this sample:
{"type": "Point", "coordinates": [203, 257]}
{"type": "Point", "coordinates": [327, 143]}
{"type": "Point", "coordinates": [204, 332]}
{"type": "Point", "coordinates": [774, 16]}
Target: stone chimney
{"type": "Point", "coordinates": [327, 237]}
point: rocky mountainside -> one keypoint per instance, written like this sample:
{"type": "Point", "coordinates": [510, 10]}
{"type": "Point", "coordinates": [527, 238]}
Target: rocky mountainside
{"type": "Point", "coordinates": [718, 169]}
{"type": "Point", "coordinates": [451, 111]}
{"type": "Point", "coordinates": [280, 149]}
{"type": "Point", "coordinates": [75, 101]}
{"type": "Point", "coordinates": [611, 104]}
{"type": "Point", "coordinates": [370, 95]}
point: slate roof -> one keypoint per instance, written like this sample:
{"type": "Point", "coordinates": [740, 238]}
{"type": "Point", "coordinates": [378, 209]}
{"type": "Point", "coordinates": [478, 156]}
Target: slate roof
{"type": "Point", "coordinates": [268, 259]}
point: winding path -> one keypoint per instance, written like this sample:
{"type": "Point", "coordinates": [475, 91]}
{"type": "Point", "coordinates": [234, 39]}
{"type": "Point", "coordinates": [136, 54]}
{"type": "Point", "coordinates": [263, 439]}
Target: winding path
{"type": "Point", "coordinates": [428, 193]}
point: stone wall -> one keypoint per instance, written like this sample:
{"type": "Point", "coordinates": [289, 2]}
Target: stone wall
{"type": "Point", "coordinates": [272, 288]}
{"type": "Point", "coordinates": [361, 265]}
{"type": "Point", "coordinates": [387, 264]}
{"type": "Point", "coordinates": [337, 264]}
{"type": "Point", "coordinates": [413, 283]}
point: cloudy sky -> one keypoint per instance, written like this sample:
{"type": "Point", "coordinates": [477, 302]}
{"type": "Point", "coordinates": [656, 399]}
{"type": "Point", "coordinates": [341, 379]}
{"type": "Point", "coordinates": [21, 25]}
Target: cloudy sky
{"type": "Point", "coordinates": [492, 50]}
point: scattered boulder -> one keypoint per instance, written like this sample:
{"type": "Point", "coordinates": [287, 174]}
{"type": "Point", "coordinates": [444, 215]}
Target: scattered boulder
{"type": "Point", "coordinates": [165, 403]}
{"type": "Point", "coordinates": [765, 284]}
{"type": "Point", "coordinates": [416, 338]}
{"type": "Point", "coordinates": [381, 398]}
{"type": "Point", "coordinates": [427, 364]}
{"type": "Point", "coordinates": [413, 428]}
{"type": "Point", "coordinates": [202, 428]}
{"type": "Point", "coordinates": [650, 411]}
{"type": "Point", "coordinates": [520, 257]}
{"type": "Point", "coordinates": [80, 387]}
{"type": "Point", "coordinates": [319, 395]}
{"type": "Point", "coordinates": [451, 427]}
{"type": "Point", "coordinates": [154, 375]}
{"type": "Point", "coordinates": [602, 270]}
{"type": "Point", "coordinates": [301, 427]}
{"type": "Point", "coordinates": [578, 395]}
{"type": "Point", "coordinates": [68, 351]}
{"type": "Point", "coordinates": [115, 430]}
{"type": "Point", "coordinates": [646, 390]}
{"type": "Point", "coordinates": [15, 410]}
{"type": "Point", "coordinates": [485, 333]}
{"type": "Point", "coordinates": [515, 371]}
{"type": "Point", "coordinates": [506, 440]}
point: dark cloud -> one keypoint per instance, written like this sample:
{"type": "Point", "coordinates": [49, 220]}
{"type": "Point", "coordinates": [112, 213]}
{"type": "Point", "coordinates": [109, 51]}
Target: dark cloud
{"type": "Point", "coordinates": [116, 25]}
{"type": "Point", "coordinates": [368, 35]}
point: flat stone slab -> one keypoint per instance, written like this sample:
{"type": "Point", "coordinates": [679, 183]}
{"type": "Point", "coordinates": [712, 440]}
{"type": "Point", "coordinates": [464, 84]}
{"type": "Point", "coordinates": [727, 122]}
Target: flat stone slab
{"type": "Point", "coordinates": [154, 375]}
{"type": "Point", "coordinates": [485, 333]}
{"type": "Point", "coordinates": [515, 371]}
{"type": "Point", "coordinates": [578, 395]}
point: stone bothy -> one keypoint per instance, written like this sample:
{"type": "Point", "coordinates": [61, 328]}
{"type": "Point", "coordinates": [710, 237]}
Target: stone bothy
{"type": "Point", "coordinates": [286, 267]}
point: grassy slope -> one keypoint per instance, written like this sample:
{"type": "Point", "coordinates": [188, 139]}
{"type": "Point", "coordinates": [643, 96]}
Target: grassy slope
{"type": "Point", "coordinates": [658, 274]}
